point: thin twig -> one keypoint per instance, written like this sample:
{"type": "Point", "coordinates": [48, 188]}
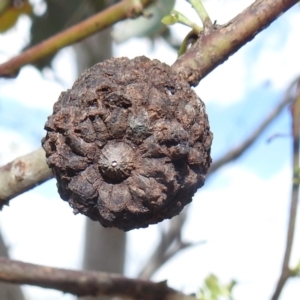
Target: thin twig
{"type": "Point", "coordinates": [84, 283]}
{"type": "Point", "coordinates": [286, 272]}
{"type": "Point", "coordinates": [169, 245]}
{"type": "Point", "coordinates": [99, 21]}
{"type": "Point", "coordinates": [214, 48]}
{"type": "Point", "coordinates": [237, 151]}
{"type": "Point", "coordinates": [202, 13]}
{"type": "Point", "coordinates": [168, 237]}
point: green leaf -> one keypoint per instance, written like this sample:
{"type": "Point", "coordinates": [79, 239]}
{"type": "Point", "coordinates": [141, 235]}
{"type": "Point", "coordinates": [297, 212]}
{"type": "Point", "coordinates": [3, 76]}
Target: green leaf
{"type": "Point", "coordinates": [214, 290]}
{"type": "Point", "coordinates": [296, 270]}
{"type": "Point", "coordinates": [177, 17]}
{"type": "Point", "coordinates": [169, 20]}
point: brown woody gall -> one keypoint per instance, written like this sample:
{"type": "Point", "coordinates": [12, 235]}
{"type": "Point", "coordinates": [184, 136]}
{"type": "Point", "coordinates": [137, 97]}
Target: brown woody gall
{"type": "Point", "coordinates": [129, 144]}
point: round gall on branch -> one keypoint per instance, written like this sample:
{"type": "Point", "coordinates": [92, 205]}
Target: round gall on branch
{"type": "Point", "coordinates": [129, 144]}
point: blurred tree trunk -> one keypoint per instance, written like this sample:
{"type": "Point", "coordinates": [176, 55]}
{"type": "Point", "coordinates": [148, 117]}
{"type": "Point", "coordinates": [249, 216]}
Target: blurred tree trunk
{"type": "Point", "coordinates": [104, 248]}
{"type": "Point", "coordinates": [8, 291]}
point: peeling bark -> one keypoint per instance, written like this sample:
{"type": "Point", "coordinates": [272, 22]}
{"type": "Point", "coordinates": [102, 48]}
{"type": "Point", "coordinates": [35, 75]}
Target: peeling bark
{"type": "Point", "coordinates": [23, 174]}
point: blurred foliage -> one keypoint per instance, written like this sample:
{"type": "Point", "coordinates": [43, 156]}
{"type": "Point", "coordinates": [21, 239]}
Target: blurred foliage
{"type": "Point", "coordinates": [60, 15]}
{"type": "Point", "coordinates": [213, 290]}
{"type": "Point", "coordinates": [10, 11]}
{"type": "Point", "coordinates": [149, 25]}
{"type": "Point", "coordinates": [296, 270]}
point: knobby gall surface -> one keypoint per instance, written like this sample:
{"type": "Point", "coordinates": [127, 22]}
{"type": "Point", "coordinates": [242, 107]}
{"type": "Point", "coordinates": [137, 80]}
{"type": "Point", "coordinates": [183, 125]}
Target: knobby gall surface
{"type": "Point", "coordinates": [129, 144]}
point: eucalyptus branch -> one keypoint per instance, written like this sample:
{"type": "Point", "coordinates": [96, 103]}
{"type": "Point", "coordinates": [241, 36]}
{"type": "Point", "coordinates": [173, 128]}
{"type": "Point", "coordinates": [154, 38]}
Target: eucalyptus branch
{"type": "Point", "coordinates": [122, 10]}
{"type": "Point", "coordinates": [215, 46]}
{"type": "Point", "coordinates": [84, 283]}
{"type": "Point", "coordinates": [286, 271]}
{"type": "Point", "coordinates": [22, 174]}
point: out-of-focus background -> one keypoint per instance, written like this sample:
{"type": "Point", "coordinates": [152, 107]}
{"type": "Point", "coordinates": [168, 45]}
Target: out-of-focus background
{"type": "Point", "coordinates": [237, 221]}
